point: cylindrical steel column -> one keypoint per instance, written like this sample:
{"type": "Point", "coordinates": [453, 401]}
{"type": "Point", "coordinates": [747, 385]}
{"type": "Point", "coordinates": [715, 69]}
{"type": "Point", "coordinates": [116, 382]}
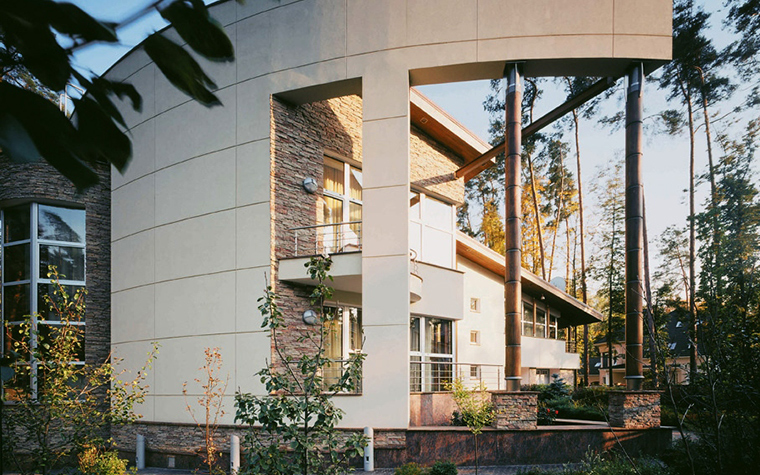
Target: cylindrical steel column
{"type": "Point", "coordinates": [513, 226]}
{"type": "Point", "coordinates": [634, 230]}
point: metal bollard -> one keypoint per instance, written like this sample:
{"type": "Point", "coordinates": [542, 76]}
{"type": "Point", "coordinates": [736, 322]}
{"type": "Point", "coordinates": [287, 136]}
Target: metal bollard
{"type": "Point", "coordinates": [234, 454]}
{"type": "Point", "coordinates": [140, 452]}
{"type": "Point", "coordinates": [369, 450]}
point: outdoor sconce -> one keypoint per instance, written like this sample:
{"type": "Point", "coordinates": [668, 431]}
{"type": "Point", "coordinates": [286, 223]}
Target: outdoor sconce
{"type": "Point", "coordinates": [310, 317]}
{"type": "Point", "coordinates": [310, 185]}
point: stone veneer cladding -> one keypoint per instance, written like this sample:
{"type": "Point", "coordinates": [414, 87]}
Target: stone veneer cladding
{"type": "Point", "coordinates": [515, 409]}
{"type": "Point", "coordinates": [41, 183]}
{"type": "Point", "coordinates": [635, 409]}
{"type": "Point", "coordinates": [300, 138]}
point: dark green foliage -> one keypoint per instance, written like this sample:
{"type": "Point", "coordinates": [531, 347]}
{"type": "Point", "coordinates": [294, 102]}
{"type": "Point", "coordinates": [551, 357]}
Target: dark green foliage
{"type": "Point", "coordinates": [443, 468]}
{"type": "Point", "coordinates": [410, 468]}
{"type": "Point", "coordinates": [295, 425]}
{"type": "Point", "coordinates": [37, 41]}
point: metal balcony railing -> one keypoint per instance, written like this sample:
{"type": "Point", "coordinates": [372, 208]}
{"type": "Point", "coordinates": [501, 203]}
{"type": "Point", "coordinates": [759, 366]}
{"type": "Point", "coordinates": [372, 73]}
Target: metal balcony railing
{"type": "Point", "coordinates": [327, 238]}
{"type": "Point", "coordinates": [436, 376]}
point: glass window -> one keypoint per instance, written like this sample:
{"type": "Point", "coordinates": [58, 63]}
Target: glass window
{"type": "Point", "coordinates": [553, 324]}
{"type": "Point", "coordinates": [527, 320]}
{"type": "Point", "coordinates": [431, 354]}
{"type": "Point", "coordinates": [36, 236]}
{"type": "Point", "coordinates": [341, 204]}
{"type": "Point", "coordinates": [540, 329]}
{"type": "Point", "coordinates": [343, 336]}
{"type": "Point", "coordinates": [474, 337]}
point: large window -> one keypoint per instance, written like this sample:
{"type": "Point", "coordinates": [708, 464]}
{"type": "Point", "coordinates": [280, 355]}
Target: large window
{"type": "Point", "coordinates": [431, 351]}
{"type": "Point", "coordinates": [539, 321]}
{"type": "Point", "coordinates": [343, 337]}
{"type": "Point", "coordinates": [341, 206]}
{"type": "Point", "coordinates": [34, 237]}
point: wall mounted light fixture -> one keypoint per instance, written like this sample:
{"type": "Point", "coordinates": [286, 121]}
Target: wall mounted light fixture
{"type": "Point", "coordinates": [310, 185]}
{"type": "Point", "coordinates": [310, 317]}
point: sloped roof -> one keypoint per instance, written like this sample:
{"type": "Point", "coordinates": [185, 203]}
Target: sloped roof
{"type": "Point", "coordinates": [574, 312]}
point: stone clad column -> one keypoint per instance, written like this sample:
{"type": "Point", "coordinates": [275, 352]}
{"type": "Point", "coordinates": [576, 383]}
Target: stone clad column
{"type": "Point", "coordinates": [513, 210]}
{"type": "Point", "coordinates": [634, 230]}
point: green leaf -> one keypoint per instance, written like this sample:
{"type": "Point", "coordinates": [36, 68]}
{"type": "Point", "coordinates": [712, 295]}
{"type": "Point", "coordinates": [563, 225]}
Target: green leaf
{"type": "Point", "coordinates": [48, 129]}
{"type": "Point", "coordinates": [101, 138]}
{"type": "Point", "coordinates": [181, 69]}
{"type": "Point", "coordinates": [71, 20]}
{"type": "Point", "coordinates": [201, 32]}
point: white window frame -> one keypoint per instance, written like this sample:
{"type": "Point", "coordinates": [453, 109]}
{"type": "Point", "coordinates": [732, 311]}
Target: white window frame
{"type": "Point", "coordinates": [35, 279]}
{"type": "Point", "coordinates": [423, 354]}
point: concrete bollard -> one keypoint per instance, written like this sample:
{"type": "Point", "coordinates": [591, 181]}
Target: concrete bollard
{"type": "Point", "coordinates": [140, 452]}
{"type": "Point", "coordinates": [369, 450]}
{"type": "Point", "coordinates": [234, 454]}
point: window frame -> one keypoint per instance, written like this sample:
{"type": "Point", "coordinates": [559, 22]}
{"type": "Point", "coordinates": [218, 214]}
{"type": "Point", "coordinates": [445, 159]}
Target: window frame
{"type": "Point", "coordinates": [346, 348]}
{"type": "Point", "coordinates": [35, 280]}
{"type": "Point", "coordinates": [424, 362]}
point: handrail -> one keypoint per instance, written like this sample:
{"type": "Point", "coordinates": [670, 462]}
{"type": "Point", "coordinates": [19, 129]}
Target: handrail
{"type": "Point", "coordinates": [313, 226]}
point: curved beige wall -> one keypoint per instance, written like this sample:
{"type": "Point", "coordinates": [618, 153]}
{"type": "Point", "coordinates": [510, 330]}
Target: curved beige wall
{"type": "Point", "coordinates": [191, 230]}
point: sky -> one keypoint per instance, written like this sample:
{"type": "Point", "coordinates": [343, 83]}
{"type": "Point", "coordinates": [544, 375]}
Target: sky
{"type": "Point", "coordinates": [666, 158]}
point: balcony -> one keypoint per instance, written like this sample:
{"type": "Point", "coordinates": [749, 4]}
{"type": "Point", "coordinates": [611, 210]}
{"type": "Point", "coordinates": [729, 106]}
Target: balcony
{"type": "Point", "coordinates": [322, 239]}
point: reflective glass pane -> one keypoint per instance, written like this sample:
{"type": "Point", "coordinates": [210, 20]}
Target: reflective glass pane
{"type": "Point", "coordinates": [69, 340]}
{"type": "Point", "coordinates": [355, 214]}
{"type": "Point", "coordinates": [61, 224]}
{"type": "Point", "coordinates": [540, 323]}
{"type": "Point", "coordinates": [333, 210]}
{"type": "Point", "coordinates": [68, 260]}
{"type": "Point", "coordinates": [414, 332]}
{"type": "Point", "coordinates": [16, 263]}
{"type": "Point", "coordinates": [527, 319]}
{"type": "Point", "coordinates": [438, 336]}
{"type": "Point", "coordinates": [16, 305]}
{"type": "Point", "coordinates": [415, 374]}
{"type": "Point", "coordinates": [16, 223]}
{"type": "Point", "coordinates": [333, 176]}
{"type": "Point", "coordinates": [17, 388]}
{"type": "Point", "coordinates": [333, 333]}
{"type": "Point", "coordinates": [356, 184]}
{"type": "Point", "coordinates": [43, 306]}
{"type": "Point", "coordinates": [14, 337]}
{"type": "Point", "coordinates": [355, 328]}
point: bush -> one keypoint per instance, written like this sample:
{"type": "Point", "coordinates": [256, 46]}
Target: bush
{"type": "Point", "coordinates": [592, 396]}
{"type": "Point", "coordinates": [443, 468]}
{"type": "Point", "coordinates": [408, 469]}
{"type": "Point", "coordinates": [94, 462]}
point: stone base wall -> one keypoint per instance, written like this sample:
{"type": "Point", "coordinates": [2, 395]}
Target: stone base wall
{"type": "Point", "coordinates": [515, 409]}
{"type": "Point", "coordinates": [635, 409]}
{"type": "Point", "coordinates": [176, 445]}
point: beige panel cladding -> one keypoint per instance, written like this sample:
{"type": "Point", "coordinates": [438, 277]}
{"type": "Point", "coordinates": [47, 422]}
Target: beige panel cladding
{"type": "Point", "coordinates": [433, 167]}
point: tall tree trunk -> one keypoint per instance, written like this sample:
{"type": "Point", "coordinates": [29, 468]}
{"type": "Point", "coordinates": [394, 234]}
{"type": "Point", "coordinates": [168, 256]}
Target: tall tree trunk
{"type": "Point", "coordinates": [584, 293]}
{"type": "Point", "coordinates": [609, 284]}
{"type": "Point", "coordinates": [692, 239]}
{"type": "Point", "coordinates": [649, 312]}
{"type": "Point", "coordinates": [533, 190]}
{"type": "Point", "coordinates": [560, 205]}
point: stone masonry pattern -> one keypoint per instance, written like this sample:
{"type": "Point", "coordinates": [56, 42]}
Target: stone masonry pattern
{"type": "Point", "coordinates": [635, 409]}
{"type": "Point", "coordinates": [515, 410]}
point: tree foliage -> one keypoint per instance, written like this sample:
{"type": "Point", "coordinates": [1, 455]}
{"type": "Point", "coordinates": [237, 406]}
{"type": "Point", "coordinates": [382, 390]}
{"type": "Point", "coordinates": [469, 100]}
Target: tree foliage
{"type": "Point", "coordinates": [37, 41]}
{"type": "Point", "coordinates": [70, 409]}
{"type": "Point", "coordinates": [293, 428]}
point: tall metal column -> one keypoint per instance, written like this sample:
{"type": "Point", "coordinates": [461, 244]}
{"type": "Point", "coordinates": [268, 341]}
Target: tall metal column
{"type": "Point", "coordinates": [634, 230]}
{"type": "Point", "coordinates": [513, 225]}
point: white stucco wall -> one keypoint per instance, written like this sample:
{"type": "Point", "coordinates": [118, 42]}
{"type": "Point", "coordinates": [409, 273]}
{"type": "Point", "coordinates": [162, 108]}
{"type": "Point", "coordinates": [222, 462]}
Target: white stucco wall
{"type": "Point", "coordinates": [191, 234]}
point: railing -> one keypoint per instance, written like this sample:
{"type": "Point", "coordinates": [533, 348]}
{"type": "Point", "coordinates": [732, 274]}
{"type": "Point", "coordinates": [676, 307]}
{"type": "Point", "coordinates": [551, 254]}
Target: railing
{"type": "Point", "coordinates": [327, 238]}
{"type": "Point", "coordinates": [436, 376]}
{"type": "Point", "coordinates": [333, 371]}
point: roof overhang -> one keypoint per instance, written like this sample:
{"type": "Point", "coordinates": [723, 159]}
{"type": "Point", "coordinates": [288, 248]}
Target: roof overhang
{"type": "Point", "coordinates": [574, 312]}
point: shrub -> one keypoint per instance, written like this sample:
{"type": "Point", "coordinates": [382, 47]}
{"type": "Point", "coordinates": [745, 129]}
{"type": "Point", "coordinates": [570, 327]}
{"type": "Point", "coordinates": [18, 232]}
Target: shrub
{"type": "Point", "coordinates": [408, 469]}
{"type": "Point", "coordinates": [443, 468]}
{"type": "Point", "coordinates": [94, 462]}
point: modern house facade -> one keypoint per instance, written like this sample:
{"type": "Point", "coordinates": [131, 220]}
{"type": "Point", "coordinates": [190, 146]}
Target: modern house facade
{"type": "Point", "coordinates": [323, 145]}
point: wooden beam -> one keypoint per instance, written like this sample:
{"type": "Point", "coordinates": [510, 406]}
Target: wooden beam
{"type": "Point", "coordinates": [486, 160]}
